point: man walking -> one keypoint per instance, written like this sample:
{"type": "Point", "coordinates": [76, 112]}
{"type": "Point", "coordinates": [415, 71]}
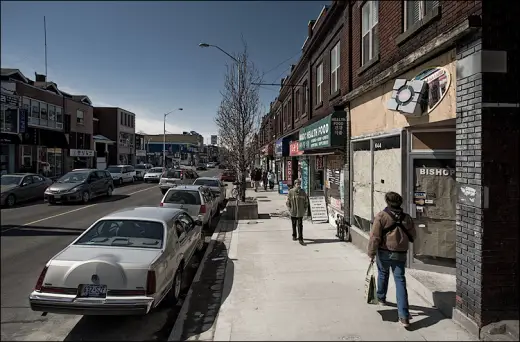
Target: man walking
{"type": "Point", "coordinates": [297, 203]}
{"type": "Point", "coordinates": [392, 231]}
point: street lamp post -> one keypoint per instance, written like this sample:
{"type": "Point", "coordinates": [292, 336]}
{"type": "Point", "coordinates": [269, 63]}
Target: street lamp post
{"type": "Point", "coordinates": [164, 135]}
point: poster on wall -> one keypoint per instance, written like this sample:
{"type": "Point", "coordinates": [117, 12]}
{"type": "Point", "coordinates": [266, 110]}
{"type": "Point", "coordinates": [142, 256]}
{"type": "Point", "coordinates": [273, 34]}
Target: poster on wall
{"type": "Point", "coordinates": [318, 209]}
{"type": "Point", "coordinates": [305, 175]}
{"type": "Point", "coordinates": [283, 188]}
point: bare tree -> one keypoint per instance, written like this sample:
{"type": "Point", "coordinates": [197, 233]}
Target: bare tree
{"type": "Point", "coordinates": [238, 116]}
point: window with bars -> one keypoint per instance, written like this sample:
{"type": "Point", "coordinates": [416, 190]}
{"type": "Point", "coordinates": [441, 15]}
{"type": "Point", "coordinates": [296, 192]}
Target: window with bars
{"type": "Point", "coordinates": [415, 10]}
{"type": "Point", "coordinates": [319, 83]}
{"type": "Point", "coordinates": [334, 68]}
{"type": "Point", "coordinates": [370, 34]}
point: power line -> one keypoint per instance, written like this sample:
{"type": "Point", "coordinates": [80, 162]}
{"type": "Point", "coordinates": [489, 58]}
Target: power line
{"type": "Point", "coordinates": [283, 72]}
{"type": "Point", "coordinates": [276, 67]}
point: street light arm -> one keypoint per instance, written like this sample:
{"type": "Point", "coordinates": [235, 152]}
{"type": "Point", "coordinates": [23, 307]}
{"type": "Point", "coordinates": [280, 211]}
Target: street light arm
{"type": "Point", "coordinates": [221, 50]}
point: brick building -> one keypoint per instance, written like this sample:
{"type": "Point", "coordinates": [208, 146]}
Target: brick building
{"type": "Point", "coordinates": [430, 97]}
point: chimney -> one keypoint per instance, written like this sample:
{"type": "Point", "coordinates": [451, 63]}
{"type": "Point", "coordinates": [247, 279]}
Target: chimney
{"type": "Point", "coordinates": [281, 82]}
{"type": "Point", "coordinates": [310, 25]}
{"type": "Point", "coordinates": [292, 67]}
{"type": "Point", "coordinates": [40, 77]}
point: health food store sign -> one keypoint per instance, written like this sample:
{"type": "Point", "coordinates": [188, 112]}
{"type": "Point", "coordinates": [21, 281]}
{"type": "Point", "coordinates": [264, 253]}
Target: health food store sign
{"type": "Point", "coordinates": [327, 132]}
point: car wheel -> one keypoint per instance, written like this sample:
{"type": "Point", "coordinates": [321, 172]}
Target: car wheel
{"type": "Point", "coordinates": [133, 179]}
{"type": "Point", "coordinates": [202, 239]}
{"type": "Point", "coordinates": [109, 191]}
{"type": "Point", "coordinates": [85, 197]}
{"type": "Point", "coordinates": [120, 181]}
{"type": "Point", "coordinates": [175, 292]}
{"type": "Point", "coordinates": [11, 200]}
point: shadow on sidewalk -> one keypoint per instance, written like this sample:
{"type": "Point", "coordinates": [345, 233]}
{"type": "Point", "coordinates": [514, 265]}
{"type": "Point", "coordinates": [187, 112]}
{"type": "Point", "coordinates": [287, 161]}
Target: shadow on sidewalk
{"type": "Point", "coordinates": [432, 315]}
{"type": "Point", "coordinates": [316, 241]}
{"type": "Point", "coordinates": [212, 289]}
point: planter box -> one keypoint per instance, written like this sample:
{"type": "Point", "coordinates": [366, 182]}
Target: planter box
{"type": "Point", "coordinates": [247, 210]}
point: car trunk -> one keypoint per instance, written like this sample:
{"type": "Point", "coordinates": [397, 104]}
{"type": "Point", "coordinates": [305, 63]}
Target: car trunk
{"type": "Point", "coordinates": [188, 200]}
{"type": "Point", "coordinates": [117, 268]}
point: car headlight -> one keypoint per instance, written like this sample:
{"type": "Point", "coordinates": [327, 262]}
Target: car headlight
{"type": "Point", "coordinates": [74, 189]}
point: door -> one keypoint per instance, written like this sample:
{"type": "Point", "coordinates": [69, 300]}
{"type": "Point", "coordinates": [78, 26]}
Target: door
{"type": "Point", "coordinates": [434, 197]}
{"type": "Point", "coordinates": [104, 181]}
{"type": "Point", "coordinates": [39, 186]}
{"type": "Point", "coordinates": [188, 225]}
{"type": "Point", "coordinates": [27, 189]}
{"type": "Point", "coordinates": [182, 238]}
{"type": "Point", "coordinates": [95, 183]}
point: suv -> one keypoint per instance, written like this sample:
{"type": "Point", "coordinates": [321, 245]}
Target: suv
{"type": "Point", "coordinates": [122, 173]}
{"type": "Point", "coordinates": [196, 200]}
{"type": "Point", "coordinates": [174, 177]}
{"type": "Point", "coordinates": [80, 186]}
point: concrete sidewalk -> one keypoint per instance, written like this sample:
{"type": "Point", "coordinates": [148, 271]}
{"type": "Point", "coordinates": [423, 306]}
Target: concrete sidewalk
{"type": "Point", "coordinates": [275, 289]}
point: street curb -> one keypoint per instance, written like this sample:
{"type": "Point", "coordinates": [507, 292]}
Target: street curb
{"type": "Point", "coordinates": [176, 333]}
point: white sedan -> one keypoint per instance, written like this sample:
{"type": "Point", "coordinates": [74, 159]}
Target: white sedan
{"type": "Point", "coordinates": [126, 263]}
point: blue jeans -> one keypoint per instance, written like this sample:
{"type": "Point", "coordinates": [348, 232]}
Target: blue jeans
{"type": "Point", "coordinates": [385, 261]}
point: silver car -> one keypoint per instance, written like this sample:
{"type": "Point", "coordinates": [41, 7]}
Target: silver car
{"type": "Point", "coordinates": [217, 188]}
{"type": "Point", "coordinates": [174, 177]}
{"type": "Point", "coordinates": [197, 200]}
{"type": "Point", "coordinates": [20, 187]}
{"type": "Point", "coordinates": [154, 174]}
{"type": "Point", "coordinates": [126, 263]}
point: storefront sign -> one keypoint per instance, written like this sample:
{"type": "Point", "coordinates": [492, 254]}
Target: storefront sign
{"type": "Point", "coordinates": [294, 149]}
{"type": "Point", "coordinates": [278, 148]}
{"type": "Point", "coordinates": [140, 153]}
{"type": "Point", "coordinates": [318, 209]}
{"type": "Point", "coordinates": [319, 162]}
{"type": "Point", "coordinates": [283, 188]}
{"type": "Point", "coordinates": [22, 120]}
{"type": "Point", "coordinates": [267, 150]}
{"type": "Point", "coordinates": [81, 153]}
{"type": "Point", "coordinates": [289, 170]}
{"type": "Point", "coordinates": [305, 175]}
{"type": "Point", "coordinates": [432, 171]}
{"type": "Point", "coordinates": [422, 94]}
{"type": "Point", "coordinates": [327, 132]}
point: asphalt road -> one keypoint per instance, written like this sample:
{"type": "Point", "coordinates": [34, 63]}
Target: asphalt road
{"type": "Point", "coordinates": [32, 234]}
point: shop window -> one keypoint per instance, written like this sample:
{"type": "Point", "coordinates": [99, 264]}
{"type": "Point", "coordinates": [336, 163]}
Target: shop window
{"type": "Point", "coordinates": [52, 116]}
{"type": "Point", "coordinates": [26, 157]}
{"type": "Point", "coordinates": [80, 117]}
{"type": "Point", "coordinates": [43, 114]}
{"type": "Point", "coordinates": [361, 185]}
{"type": "Point", "coordinates": [416, 10]}
{"type": "Point", "coordinates": [26, 104]}
{"type": "Point", "coordinates": [334, 68]}
{"type": "Point", "coordinates": [59, 118]}
{"type": "Point", "coordinates": [34, 117]}
{"type": "Point", "coordinates": [319, 83]}
{"type": "Point", "coordinates": [370, 35]}
{"type": "Point", "coordinates": [9, 119]}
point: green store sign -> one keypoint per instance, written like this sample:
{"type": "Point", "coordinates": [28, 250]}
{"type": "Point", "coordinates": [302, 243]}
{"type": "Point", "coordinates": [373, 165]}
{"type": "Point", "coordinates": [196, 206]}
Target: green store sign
{"type": "Point", "coordinates": [327, 132]}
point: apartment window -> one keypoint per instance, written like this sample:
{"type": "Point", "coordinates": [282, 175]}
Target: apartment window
{"type": "Point", "coordinates": [43, 112]}
{"type": "Point", "coordinates": [415, 10]}
{"type": "Point", "coordinates": [26, 104]}
{"type": "Point", "coordinates": [370, 39]}
{"type": "Point", "coordinates": [290, 111]}
{"type": "Point", "coordinates": [121, 118]}
{"type": "Point", "coordinates": [59, 115]}
{"type": "Point", "coordinates": [298, 104]}
{"type": "Point", "coordinates": [319, 83]}
{"type": "Point", "coordinates": [35, 113]}
{"type": "Point", "coordinates": [305, 97]}
{"type": "Point", "coordinates": [79, 117]}
{"type": "Point", "coordinates": [334, 68]}
{"type": "Point", "coordinates": [52, 116]}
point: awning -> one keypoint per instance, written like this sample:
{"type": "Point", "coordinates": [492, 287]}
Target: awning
{"type": "Point", "coordinates": [103, 139]}
{"type": "Point", "coordinates": [50, 138]}
{"type": "Point", "coordinates": [10, 138]}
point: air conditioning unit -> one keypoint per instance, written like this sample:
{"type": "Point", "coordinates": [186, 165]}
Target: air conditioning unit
{"type": "Point", "coordinates": [409, 98]}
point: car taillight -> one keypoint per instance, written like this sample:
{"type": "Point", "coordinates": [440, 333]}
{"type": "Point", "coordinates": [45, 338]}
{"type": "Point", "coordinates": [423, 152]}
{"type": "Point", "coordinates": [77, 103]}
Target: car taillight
{"type": "Point", "coordinates": [161, 204]}
{"type": "Point", "coordinates": [39, 283]}
{"type": "Point", "coordinates": [202, 209]}
{"type": "Point", "coordinates": [150, 283]}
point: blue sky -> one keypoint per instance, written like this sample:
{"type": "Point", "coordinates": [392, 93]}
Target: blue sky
{"type": "Point", "coordinates": [144, 56]}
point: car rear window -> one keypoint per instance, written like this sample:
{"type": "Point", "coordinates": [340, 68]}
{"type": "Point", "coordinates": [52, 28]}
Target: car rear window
{"type": "Point", "coordinates": [183, 197]}
{"type": "Point", "coordinates": [206, 182]}
{"type": "Point", "coordinates": [172, 174]}
{"type": "Point", "coordinates": [124, 233]}
{"type": "Point", "coordinates": [156, 169]}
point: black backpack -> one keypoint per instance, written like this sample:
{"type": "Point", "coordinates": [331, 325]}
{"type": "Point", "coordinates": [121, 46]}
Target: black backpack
{"type": "Point", "coordinates": [397, 224]}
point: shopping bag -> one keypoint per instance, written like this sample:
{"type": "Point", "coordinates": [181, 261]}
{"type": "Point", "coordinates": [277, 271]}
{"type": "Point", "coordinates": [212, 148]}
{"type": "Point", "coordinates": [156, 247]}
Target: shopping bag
{"type": "Point", "coordinates": [370, 285]}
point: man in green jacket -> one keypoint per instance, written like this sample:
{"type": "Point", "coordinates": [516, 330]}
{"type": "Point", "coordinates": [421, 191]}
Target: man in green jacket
{"type": "Point", "coordinates": [297, 203]}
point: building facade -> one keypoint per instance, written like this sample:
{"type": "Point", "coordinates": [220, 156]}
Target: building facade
{"type": "Point", "coordinates": [180, 148]}
{"type": "Point", "coordinates": [118, 125]}
{"type": "Point", "coordinates": [79, 124]}
{"type": "Point", "coordinates": [429, 104]}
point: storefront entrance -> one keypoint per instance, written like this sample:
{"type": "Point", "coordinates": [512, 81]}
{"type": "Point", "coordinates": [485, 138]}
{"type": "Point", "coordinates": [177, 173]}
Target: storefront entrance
{"type": "Point", "coordinates": [433, 197]}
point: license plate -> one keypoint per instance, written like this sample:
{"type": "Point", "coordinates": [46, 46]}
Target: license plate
{"type": "Point", "coordinates": [57, 197]}
{"type": "Point", "coordinates": [93, 291]}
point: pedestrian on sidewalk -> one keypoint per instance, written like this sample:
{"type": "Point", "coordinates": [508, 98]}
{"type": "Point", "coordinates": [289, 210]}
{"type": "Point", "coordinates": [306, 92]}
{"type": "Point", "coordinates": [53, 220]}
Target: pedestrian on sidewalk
{"type": "Point", "coordinates": [270, 179]}
{"type": "Point", "coordinates": [258, 178]}
{"type": "Point", "coordinates": [297, 203]}
{"type": "Point", "coordinates": [264, 179]}
{"type": "Point", "coordinates": [391, 233]}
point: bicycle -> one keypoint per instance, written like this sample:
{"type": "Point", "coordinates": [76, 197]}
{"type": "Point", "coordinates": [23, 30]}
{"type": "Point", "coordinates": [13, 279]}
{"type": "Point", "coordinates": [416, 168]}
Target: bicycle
{"type": "Point", "coordinates": [342, 229]}
{"type": "Point", "coordinates": [236, 189]}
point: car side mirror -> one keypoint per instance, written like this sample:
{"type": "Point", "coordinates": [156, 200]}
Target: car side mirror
{"type": "Point", "coordinates": [198, 223]}
{"type": "Point", "coordinates": [24, 184]}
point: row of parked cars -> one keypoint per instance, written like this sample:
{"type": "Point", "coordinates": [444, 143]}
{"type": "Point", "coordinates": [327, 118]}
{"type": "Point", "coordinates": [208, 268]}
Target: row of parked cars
{"type": "Point", "coordinates": [131, 261]}
{"type": "Point", "coordinates": [79, 185]}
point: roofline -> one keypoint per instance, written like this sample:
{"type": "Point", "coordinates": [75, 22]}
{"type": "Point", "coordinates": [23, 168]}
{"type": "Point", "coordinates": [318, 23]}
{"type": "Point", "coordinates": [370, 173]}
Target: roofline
{"type": "Point", "coordinates": [17, 71]}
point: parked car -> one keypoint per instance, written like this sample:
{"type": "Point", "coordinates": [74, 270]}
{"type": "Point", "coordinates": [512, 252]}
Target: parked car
{"type": "Point", "coordinates": [202, 167]}
{"type": "Point", "coordinates": [154, 174]}
{"type": "Point", "coordinates": [211, 165]}
{"type": "Point", "coordinates": [122, 173]}
{"type": "Point", "coordinates": [228, 176]}
{"type": "Point", "coordinates": [197, 200]}
{"type": "Point", "coordinates": [20, 187]}
{"type": "Point", "coordinates": [80, 185]}
{"type": "Point", "coordinates": [141, 170]}
{"type": "Point", "coordinates": [217, 188]}
{"type": "Point", "coordinates": [174, 177]}
{"type": "Point", "coordinates": [126, 263]}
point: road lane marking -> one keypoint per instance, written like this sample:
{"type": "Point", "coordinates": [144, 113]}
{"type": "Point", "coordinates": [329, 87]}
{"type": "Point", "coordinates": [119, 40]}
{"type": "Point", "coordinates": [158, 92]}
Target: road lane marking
{"type": "Point", "coordinates": [71, 211]}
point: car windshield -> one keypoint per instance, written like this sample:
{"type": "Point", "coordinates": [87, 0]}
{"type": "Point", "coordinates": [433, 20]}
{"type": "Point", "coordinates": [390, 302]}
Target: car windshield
{"type": "Point", "coordinates": [206, 182]}
{"type": "Point", "coordinates": [140, 167]}
{"type": "Point", "coordinates": [189, 197]}
{"type": "Point", "coordinates": [11, 180]}
{"type": "Point", "coordinates": [172, 174]}
{"type": "Point", "coordinates": [114, 169]}
{"type": "Point", "coordinates": [124, 233]}
{"type": "Point", "coordinates": [73, 177]}
{"type": "Point", "coordinates": [156, 170]}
